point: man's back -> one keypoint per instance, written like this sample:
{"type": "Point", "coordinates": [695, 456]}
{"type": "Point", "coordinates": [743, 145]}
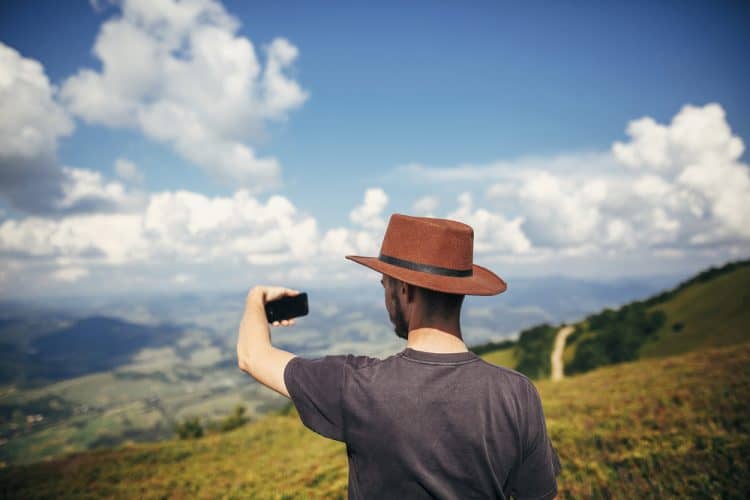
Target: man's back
{"type": "Point", "coordinates": [421, 424]}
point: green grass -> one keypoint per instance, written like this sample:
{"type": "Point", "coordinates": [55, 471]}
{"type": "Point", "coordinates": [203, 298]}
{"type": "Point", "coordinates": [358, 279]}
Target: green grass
{"type": "Point", "coordinates": [672, 427]}
{"type": "Point", "coordinates": [503, 357]}
{"type": "Point", "coordinates": [713, 314]}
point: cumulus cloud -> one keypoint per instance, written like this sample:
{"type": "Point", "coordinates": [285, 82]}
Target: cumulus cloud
{"type": "Point", "coordinates": [668, 189]}
{"type": "Point", "coordinates": [181, 230]}
{"type": "Point", "coordinates": [671, 187]}
{"type": "Point", "coordinates": [492, 232]}
{"type": "Point", "coordinates": [368, 214]}
{"type": "Point", "coordinates": [561, 212]}
{"type": "Point", "coordinates": [695, 135]}
{"type": "Point", "coordinates": [31, 178]}
{"type": "Point", "coordinates": [694, 159]}
{"type": "Point", "coordinates": [179, 73]}
{"type": "Point", "coordinates": [694, 199]}
{"type": "Point", "coordinates": [362, 239]}
{"type": "Point", "coordinates": [32, 123]}
{"type": "Point", "coordinates": [175, 226]}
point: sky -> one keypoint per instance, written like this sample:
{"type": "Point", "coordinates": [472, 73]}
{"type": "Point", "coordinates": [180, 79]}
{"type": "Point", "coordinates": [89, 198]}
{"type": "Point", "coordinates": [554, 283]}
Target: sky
{"type": "Point", "coordinates": [199, 145]}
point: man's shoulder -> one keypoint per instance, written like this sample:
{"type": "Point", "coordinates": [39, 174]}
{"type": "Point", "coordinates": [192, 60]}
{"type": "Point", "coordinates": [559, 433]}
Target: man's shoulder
{"type": "Point", "coordinates": [506, 374]}
{"type": "Point", "coordinates": [358, 362]}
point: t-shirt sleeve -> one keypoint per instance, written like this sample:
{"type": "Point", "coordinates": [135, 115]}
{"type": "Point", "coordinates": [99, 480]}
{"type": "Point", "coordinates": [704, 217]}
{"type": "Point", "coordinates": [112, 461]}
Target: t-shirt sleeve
{"type": "Point", "coordinates": [535, 477]}
{"type": "Point", "coordinates": [315, 387]}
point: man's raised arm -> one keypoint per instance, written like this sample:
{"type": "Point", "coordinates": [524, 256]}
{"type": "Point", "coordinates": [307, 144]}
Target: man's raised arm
{"type": "Point", "coordinates": [255, 354]}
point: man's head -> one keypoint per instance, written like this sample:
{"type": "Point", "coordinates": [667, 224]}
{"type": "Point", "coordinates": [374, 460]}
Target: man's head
{"type": "Point", "coordinates": [404, 302]}
{"type": "Point", "coordinates": [428, 267]}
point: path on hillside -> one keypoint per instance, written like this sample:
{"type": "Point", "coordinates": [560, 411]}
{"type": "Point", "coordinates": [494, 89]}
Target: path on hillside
{"type": "Point", "coordinates": [557, 352]}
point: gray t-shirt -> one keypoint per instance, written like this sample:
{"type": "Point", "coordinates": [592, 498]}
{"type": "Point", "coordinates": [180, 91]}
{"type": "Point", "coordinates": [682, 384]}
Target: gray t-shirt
{"type": "Point", "coordinates": [429, 425]}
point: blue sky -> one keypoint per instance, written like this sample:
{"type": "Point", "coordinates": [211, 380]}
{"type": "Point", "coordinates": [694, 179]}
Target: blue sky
{"type": "Point", "coordinates": [389, 92]}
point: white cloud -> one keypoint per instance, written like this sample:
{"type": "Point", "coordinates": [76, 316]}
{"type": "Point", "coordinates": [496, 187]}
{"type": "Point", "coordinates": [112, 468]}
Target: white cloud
{"type": "Point", "coordinates": [426, 206]}
{"type": "Point", "coordinates": [179, 72]}
{"type": "Point", "coordinates": [281, 92]}
{"type": "Point", "coordinates": [31, 125]}
{"type": "Point", "coordinates": [695, 135]}
{"type": "Point", "coordinates": [700, 152]}
{"type": "Point", "coordinates": [32, 121]}
{"type": "Point", "coordinates": [561, 212]}
{"type": "Point", "coordinates": [181, 226]}
{"type": "Point", "coordinates": [183, 278]}
{"type": "Point", "coordinates": [86, 190]}
{"type": "Point", "coordinates": [336, 242]}
{"type": "Point", "coordinates": [128, 171]}
{"type": "Point", "coordinates": [365, 237]}
{"type": "Point", "coordinates": [493, 233]}
{"type": "Point", "coordinates": [682, 186]}
{"type": "Point", "coordinates": [180, 230]}
{"type": "Point", "coordinates": [70, 274]}
{"type": "Point", "coordinates": [368, 214]}
{"type": "Point", "coordinates": [676, 189]}
{"type": "Point", "coordinates": [531, 216]}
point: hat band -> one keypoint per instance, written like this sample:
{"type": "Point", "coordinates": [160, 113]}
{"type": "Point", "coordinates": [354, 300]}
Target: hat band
{"type": "Point", "coordinates": [426, 268]}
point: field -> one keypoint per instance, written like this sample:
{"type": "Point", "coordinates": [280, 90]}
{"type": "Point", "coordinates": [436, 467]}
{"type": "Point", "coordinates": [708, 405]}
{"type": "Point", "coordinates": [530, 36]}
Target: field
{"type": "Point", "coordinates": [138, 401]}
{"type": "Point", "coordinates": [671, 427]}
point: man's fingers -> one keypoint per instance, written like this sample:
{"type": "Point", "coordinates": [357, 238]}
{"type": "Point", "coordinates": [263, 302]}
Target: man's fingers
{"type": "Point", "coordinates": [276, 292]}
{"type": "Point", "coordinates": [283, 322]}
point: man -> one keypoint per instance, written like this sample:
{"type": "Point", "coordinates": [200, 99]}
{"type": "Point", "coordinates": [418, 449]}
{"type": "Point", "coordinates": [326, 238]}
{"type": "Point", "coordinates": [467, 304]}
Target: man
{"type": "Point", "coordinates": [435, 420]}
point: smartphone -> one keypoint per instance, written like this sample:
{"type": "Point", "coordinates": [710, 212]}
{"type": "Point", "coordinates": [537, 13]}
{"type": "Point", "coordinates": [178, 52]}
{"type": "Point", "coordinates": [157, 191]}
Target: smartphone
{"type": "Point", "coordinates": [287, 307]}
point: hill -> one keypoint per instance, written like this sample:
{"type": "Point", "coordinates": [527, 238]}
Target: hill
{"type": "Point", "coordinates": [710, 313]}
{"type": "Point", "coordinates": [674, 427]}
{"type": "Point", "coordinates": [711, 309]}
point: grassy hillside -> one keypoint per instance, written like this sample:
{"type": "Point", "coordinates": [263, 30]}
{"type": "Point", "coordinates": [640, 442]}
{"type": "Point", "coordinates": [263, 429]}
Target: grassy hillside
{"type": "Point", "coordinates": [712, 309]}
{"type": "Point", "coordinates": [705, 314]}
{"type": "Point", "coordinates": [675, 427]}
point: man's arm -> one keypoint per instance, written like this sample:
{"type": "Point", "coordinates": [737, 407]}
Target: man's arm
{"type": "Point", "coordinates": [255, 354]}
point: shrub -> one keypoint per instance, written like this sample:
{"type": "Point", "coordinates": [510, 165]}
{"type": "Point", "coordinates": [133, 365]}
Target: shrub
{"type": "Point", "coordinates": [190, 428]}
{"type": "Point", "coordinates": [234, 420]}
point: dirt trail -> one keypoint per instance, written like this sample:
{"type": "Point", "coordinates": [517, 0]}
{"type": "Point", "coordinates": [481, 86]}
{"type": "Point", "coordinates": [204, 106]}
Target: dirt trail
{"type": "Point", "coordinates": [557, 352]}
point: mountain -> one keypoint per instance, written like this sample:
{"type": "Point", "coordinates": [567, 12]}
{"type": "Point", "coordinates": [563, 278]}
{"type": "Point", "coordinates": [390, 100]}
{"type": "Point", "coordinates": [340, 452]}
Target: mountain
{"type": "Point", "coordinates": [81, 347]}
{"type": "Point", "coordinates": [676, 427]}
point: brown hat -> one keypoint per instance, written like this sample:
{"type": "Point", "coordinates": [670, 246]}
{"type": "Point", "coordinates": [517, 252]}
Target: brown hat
{"type": "Point", "coordinates": [432, 253]}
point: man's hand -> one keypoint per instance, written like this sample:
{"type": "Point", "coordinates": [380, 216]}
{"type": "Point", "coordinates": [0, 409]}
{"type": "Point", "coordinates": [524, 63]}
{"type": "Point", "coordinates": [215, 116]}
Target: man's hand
{"type": "Point", "coordinates": [271, 293]}
{"type": "Point", "coordinates": [255, 354]}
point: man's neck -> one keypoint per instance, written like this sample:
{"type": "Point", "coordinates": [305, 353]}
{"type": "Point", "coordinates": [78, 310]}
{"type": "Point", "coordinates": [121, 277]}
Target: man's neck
{"type": "Point", "coordinates": [434, 340]}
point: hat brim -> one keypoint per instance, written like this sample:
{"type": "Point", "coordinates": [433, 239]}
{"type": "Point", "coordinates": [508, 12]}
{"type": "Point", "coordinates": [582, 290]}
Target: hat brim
{"type": "Point", "coordinates": [481, 282]}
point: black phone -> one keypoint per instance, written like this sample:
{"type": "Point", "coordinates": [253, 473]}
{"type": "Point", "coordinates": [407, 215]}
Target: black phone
{"type": "Point", "coordinates": [287, 307]}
